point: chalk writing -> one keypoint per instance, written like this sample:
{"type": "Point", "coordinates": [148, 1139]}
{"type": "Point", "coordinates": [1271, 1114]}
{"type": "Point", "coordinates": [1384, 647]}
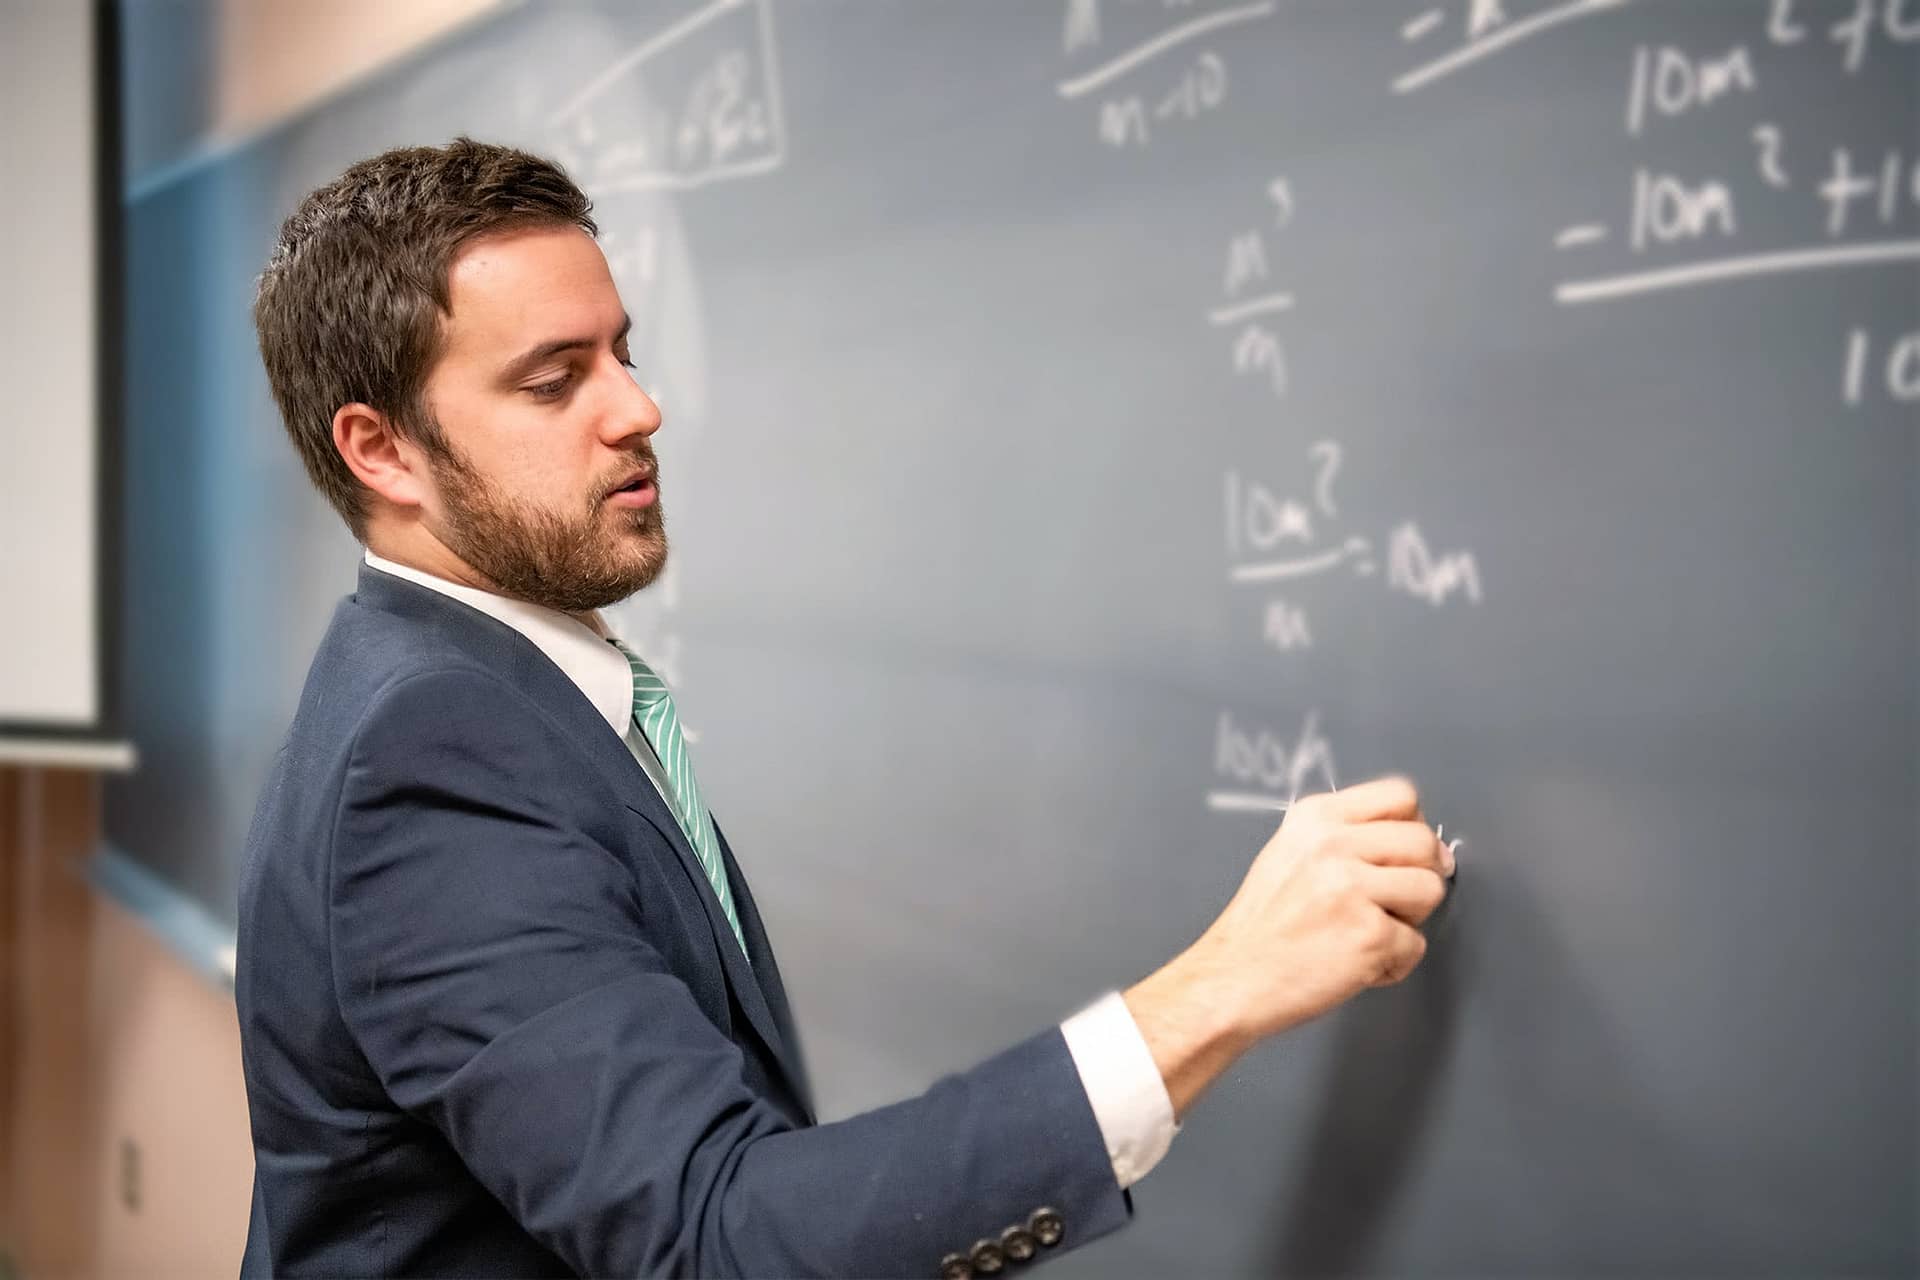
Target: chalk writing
{"type": "Point", "coordinates": [1485, 27]}
{"type": "Point", "coordinates": [1149, 64]}
{"type": "Point", "coordinates": [711, 89]}
{"type": "Point", "coordinates": [1285, 627]}
{"type": "Point", "coordinates": [1671, 82]}
{"type": "Point", "coordinates": [1248, 297]}
{"type": "Point", "coordinates": [1860, 205]}
{"type": "Point", "coordinates": [1279, 769]}
{"type": "Point", "coordinates": [1893, 368]}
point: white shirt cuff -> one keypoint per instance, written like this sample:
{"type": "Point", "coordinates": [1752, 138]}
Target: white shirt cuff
{"type": "Point", "coordinates": [1129, 1098]}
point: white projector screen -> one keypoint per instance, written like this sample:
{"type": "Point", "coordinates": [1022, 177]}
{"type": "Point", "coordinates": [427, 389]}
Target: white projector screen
{"type": "Point", "coordinates": [58, 492]}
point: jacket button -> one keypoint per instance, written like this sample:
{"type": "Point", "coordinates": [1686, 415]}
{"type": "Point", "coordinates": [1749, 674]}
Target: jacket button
{"type": "Point", "coordinates": [986, 1257]}
{"type": "Point", "coordinates": [955, 1267]}
{"type": "Point", "coordinates": [1046, 1225]}
{"type": "Point", "coordinates": [1018, 1244]}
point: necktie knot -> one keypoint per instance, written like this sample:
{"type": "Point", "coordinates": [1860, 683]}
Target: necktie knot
{"type": "Point", "coordinates": [649, 690]}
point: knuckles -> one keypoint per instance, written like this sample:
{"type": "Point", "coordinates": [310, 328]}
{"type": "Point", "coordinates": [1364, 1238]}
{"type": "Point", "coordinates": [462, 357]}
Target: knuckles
{"type": "Point", "coordinates": [1382, 933]}
{"type": "Point", "coordinates": [1402, 795]}
{"type": "Point", "coordinates": [1314, 811]}
{"type": "Point", "coordinates": [1338, 880]}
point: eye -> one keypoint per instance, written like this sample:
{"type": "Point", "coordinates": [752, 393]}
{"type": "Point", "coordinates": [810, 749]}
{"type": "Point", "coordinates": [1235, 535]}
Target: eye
{"type": "Point", "coordinates": [550, 390]}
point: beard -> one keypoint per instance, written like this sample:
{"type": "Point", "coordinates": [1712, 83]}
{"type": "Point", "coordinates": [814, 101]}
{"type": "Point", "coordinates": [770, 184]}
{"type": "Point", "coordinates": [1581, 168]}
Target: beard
{"type": "Point", "coordinates": [570, 561]}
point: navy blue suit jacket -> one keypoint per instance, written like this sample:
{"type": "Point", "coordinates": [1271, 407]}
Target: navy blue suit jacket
{"type": "Point", "coordinates": [494, 1024]}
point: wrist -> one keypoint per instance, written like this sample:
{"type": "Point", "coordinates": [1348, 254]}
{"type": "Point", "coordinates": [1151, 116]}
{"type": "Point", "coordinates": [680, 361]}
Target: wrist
{"type": "Point", "coordinates": [1191, 1022]}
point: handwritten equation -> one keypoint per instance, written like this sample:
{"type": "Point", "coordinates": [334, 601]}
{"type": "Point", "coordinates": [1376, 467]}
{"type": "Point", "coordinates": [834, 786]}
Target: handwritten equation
{"type": "Point", "coordinates": [1273, 535]}
{"type": "Point", "coordinates": [1257, 770]}
{"type": "Point", "coordinates": [1150, 66]}
{"type": "Point", "coordinates": [1866, 202]}
{"type": "Point", "coordinates": [1864, 198]}
{"type": "Point", "coordinates": [1249, 303]}
{"type": "Point", "coordinates": [1295, 534]}
{"type": "Point", "coordinates": [709, 93]}
{"type": "Point", "coordinates": [1273, 538]}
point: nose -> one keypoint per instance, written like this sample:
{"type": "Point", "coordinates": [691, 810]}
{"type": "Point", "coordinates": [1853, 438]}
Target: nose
{"type": "Point", "coordinates": [632, 410]}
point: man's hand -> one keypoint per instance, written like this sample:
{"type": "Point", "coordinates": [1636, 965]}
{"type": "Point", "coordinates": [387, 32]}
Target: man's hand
{"type": "Point", "coordinates": [1331, 906]}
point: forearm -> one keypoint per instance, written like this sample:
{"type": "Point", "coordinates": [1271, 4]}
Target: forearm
{"type": "Point", "coordinates": [1184, 1012]}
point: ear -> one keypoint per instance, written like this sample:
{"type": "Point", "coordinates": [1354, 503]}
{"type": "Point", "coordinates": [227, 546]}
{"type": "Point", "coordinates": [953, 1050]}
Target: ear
{"type": "Point", "coordinates": [391, 466]}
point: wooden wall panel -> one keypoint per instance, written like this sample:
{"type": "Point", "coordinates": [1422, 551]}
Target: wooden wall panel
{"type": "Point", "coordinates": [124, 1148]}
{"type": "Point", "coordinates": [9, 993]}
{"type": "Point", "coordinates": [174, 1162]}
{"type": "Point", "coordinates": [52, 1135]}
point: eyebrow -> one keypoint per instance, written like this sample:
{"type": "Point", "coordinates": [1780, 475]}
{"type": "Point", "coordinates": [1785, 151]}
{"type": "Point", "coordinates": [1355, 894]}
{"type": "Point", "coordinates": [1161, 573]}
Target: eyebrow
{"type": "Point", "coordinates": [527, 361]}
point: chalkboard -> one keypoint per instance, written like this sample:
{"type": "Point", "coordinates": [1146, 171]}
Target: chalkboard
{"type": "Point", "coordinates": [1091, 425]}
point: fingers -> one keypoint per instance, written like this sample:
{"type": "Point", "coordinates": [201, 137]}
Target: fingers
{"type": "Point", "coordinates": [1383, 798]}
{"type": "Point", "coordinates": [1409, 894]}
{"type": "Point", "coordinates": [1404, 950]}
{"type": "Point", "coordinates": [1391, 843]}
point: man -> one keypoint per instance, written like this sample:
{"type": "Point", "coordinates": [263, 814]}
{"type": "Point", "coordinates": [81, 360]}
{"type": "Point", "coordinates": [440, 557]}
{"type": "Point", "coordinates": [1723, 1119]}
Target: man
{"type": "Point", "coordinates": [506, 1005]}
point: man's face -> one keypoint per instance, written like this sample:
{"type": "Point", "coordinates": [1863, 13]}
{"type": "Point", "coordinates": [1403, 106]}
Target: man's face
{"type": "Point", "coordinates": [543, 435]}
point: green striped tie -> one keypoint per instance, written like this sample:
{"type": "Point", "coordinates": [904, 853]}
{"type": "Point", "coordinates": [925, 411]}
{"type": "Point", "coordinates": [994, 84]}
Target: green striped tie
{"type": "Point", "coordinates": [653, 709]}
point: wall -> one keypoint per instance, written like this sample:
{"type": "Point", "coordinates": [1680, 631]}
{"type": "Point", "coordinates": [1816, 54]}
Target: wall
{"type": "Point", "coordinates": [123, 1130]}
{"type": "Point", "coordinates": [173, 1165]}
{"type": "Point", "coordinates": [202, 74]}
{"type": "Point", "coordinates": [47, 819]}
{"type": "Point", "coordinates": [125, 1121]}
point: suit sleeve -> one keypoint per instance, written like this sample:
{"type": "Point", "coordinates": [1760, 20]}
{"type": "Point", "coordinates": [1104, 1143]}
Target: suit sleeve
{"type": "Point", "coordinates": [492, 961]}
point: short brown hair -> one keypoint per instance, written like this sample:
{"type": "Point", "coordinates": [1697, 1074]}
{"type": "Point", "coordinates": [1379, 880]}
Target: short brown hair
{"type": "Point", "coordinates": [351, 303]}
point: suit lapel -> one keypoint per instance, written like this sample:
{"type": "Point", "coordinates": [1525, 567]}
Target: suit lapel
{"type": "Point", "coordinates": [521, 663]}
{"type": "Point", "coordinates": [767, 971]}
{"type": "Point", "coordinates": [740, 976]}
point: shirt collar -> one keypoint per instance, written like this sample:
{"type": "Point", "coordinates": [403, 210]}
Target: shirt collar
{"type": "Point", "coordinates": [599, 670]}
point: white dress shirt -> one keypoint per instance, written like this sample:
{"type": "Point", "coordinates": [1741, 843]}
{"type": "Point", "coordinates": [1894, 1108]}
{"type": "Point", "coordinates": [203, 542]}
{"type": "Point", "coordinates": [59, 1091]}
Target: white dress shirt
{"type": "Point", "coordinates": [1123, 1085]}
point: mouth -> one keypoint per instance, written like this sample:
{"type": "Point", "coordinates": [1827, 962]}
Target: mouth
{"type": "Point", "coordinates": [638, 490]}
